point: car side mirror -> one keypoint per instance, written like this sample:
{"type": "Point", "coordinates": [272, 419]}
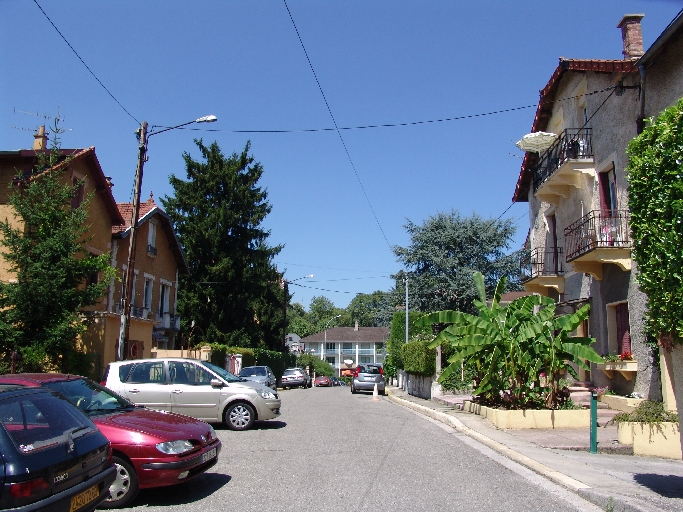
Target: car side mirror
{"type": "Point", "coordinates": [215, 383]}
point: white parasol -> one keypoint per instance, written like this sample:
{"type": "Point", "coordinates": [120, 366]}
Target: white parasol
{"type": "Point", "coordinates": [536, 142]}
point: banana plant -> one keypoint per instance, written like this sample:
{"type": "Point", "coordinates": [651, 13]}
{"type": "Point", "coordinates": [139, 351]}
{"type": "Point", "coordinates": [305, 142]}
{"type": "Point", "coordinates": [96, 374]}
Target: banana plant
{"type": "Point", "coordinates": [513, 345]}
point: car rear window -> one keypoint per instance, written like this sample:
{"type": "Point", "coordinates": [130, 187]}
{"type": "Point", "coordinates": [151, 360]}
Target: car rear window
{"type": "Point", "coordinates": [372, 370]}
{"type": "Point", "coordinates": [291, 372]}
{"type": "Point", "coordinates": [42, 420]}
{"type": "Point", "coordinates": [254, 371]}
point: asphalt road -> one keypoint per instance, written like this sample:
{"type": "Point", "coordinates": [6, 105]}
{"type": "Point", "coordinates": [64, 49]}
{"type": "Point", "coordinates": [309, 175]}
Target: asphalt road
{"type": "Point", "coordinates": [331, 450]}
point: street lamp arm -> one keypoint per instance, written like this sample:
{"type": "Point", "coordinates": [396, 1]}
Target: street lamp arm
{"type": "Point", "coordinates": [205, 119]}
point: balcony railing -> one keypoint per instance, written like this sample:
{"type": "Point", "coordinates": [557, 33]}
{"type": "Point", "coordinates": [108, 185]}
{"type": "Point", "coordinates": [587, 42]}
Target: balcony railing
{"type": "Point", "coordinates": [573, 144]}
{"type": "Point", "coordinates": [597, 230]}
{"type": "Point", "coordinates": [151, 250]}
{"type": "Point", "coordinates": [542, 262]}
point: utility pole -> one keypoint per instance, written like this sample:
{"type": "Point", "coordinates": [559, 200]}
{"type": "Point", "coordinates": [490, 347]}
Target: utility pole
{"type": "Point", "coordinates": [284, 314]}
{"type": "Point", "coordinates": [406, 281]}
{"type": "Point", "coordinates": [124, 334]}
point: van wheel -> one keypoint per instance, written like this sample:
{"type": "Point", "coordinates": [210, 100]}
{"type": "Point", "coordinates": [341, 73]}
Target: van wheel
{"type": "Point", "coordinates": [239, 416]}
{"type": "Point", "coordinates": [125, 488]}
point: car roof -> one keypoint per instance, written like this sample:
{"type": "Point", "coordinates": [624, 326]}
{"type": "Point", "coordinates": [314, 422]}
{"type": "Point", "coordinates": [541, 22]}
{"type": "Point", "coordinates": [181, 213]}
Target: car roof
{"type": "Point", "coordinates": [156, 359]}
{"type": "Point", "coordinates": [36, 379]}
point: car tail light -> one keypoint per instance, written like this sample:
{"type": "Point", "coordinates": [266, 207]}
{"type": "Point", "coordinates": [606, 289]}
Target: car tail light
{"type": "Point", "coordinates": [26, 489]}
{"type": "Point", "coordinates": [356, 371]}
{"type": "Point", "coordinates": [381, 371]}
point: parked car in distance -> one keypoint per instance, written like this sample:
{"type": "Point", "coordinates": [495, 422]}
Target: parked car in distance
{"type": "Point", "coordinates": [307, 378]}
{"type": "Point", "coordinates": [295, 378]}
{"type": "Point", "coordinates": [336, 381]}
{"type": "Point", "coordinates": [260, 374]}
{"type": "Point", "coordinates": [365, 376]}
{"type": "Point", "coordinates": [53, 456]}
{"type": "Point", "coordinates": [322, 381]}
{"type": "Point", "coordinates": [150, 448]}
{"type": "Point", "coordinates": [194, 388]}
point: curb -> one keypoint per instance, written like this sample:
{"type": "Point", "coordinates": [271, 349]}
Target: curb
{"type": "Point", "coordinates": [596, 496]}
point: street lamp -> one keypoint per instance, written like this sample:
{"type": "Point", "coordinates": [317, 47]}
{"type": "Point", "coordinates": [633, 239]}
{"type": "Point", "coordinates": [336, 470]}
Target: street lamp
{"type": "Point", "coordinates": [143, 139]}
{"type": "Point", "coordinates": [285, 286]}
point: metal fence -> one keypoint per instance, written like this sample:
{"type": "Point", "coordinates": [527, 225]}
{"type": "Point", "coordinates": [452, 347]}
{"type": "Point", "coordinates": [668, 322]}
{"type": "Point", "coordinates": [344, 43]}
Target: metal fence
{"type": "Point", "coordinates": [542, 261]}
{"type": "Point", "coordinates": [573, 144]}
{"type": "Point", "coordinates": [597, 229]}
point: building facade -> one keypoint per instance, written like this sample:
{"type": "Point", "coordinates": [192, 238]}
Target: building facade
{"type": "Point", "coordinates": [579, 245]}
{"type": "Point", "coordinates": [346, 347]}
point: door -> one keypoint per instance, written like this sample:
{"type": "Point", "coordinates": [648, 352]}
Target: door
{"type": "Point", "coordinates": [147, 385]}
{"type": "Point", "coordinates": [191, 391]}
{"type": "Point", "coordinates": [623, 329]}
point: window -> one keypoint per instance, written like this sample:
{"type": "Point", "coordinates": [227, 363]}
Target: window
{"type": "Point", "coordinates": [147, 373]}
{"type": "Point", "coordinates": [78, 187]}
{"type": "Point", "coordinates": [164, 297]}
{"type": "Point", "coordinates": [330, 346]}
{"type": "Point", "coordinates": [147, 299]}
{"type": "Point", "coordinates": [366, 359]}
{"type": "Point", "coordinates": [152, 238]}
{"type": "Point", "coordinates": [189, 373]}
{"type": "Point", "coordinates": [347, 346]}
{"type": "Point", "coordinates": [618, 328]}
{"type": "Point", "coordinates": [331, 360]}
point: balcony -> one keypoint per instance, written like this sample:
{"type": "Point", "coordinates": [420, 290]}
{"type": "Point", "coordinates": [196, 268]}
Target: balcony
{"type": "Point", "coordinates": [167, 322]}
{"type": "Point", "coordinates": [543, 268]}
{"type": "Point", "coordinates": [562, 165]}
{"type": "Point", "coordinates": [151, 250]}
{"type": "Point", "coordinates": [599, 237]}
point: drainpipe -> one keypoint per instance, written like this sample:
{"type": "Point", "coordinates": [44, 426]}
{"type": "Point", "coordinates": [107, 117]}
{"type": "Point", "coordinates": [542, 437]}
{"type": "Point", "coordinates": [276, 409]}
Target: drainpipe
{"type": "Point", "coordinates": [640, 122]}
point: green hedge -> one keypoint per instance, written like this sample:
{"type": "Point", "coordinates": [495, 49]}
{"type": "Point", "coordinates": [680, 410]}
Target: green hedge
{"type": "Point", "coordinates": [315, 364]}
{"type": "Point", "coordinates": [218, 352]}
{"type": "Point", "coordinates": [397, 335]}
{"type": "Point", "coordinates": [418, 358]}
{"type": "Point", "coordinates": [277, 361]}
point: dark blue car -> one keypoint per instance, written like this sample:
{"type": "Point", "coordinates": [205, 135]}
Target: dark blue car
{"type": "Point", "coordinates": [53, 457]}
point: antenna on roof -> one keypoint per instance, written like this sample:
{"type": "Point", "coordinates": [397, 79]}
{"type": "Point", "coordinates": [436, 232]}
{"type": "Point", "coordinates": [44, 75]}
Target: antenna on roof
{"type": "Point", "coordinates": [56, 118]}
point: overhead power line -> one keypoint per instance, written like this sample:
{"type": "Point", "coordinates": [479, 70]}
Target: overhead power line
{"type": "Point", "coordinates": [83, 62]}
{"type": "Point", "coordinates": [334, 121]}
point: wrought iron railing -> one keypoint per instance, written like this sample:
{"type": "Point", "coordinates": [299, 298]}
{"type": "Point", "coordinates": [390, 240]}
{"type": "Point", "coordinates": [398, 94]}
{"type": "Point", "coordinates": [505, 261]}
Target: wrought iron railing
{"type": "Point", "coordinates": [597, 229]}
{"type": "Point", "coordinates": [542, 261]}
{"type": "Point", "coordinates": [573, 144]}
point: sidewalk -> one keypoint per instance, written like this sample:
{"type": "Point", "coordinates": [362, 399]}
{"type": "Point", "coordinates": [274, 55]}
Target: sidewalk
{"type": "Point", "coordinates": [610, 480]}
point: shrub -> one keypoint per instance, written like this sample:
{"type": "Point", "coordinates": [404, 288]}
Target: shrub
{"type": "Point", "coordinates": [315, 364]}
{"type": "Point", "coordinates": [397, 335]}
{"type": "Point", "coordinates": [277, 361]}
{"type": "Point", "coordinates": [647, 412]}
{"type": "Point", "coordinates": [418, 358]}
{"type": "Point", "coordinates": [219, 351]}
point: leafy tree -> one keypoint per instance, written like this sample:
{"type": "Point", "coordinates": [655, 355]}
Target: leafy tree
{"type": "Point", "coordinates": [365, 307]}
{"type": "Point", "coordinates": [315, 364]}
{"type": "Point", "coordinates": [321, 310]}
{"type": "Point", "coordinates": [233, 291]}
{"type": "Point", "coordinates": [655, 200]}
{"type": "Point", "coordinates": [443, 255]}
{"type": "Point", "coordinates": [40, 311]}
{"type": "Point", "coordinates": [521, 350]}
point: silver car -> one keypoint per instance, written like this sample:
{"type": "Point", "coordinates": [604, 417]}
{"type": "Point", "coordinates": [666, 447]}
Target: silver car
{"type": "Point", "coordinates": [366, 376]}
{"type": "Point", "coordinates": [194, 388]}
{"type": "Point", "coordinates": [259, 374]}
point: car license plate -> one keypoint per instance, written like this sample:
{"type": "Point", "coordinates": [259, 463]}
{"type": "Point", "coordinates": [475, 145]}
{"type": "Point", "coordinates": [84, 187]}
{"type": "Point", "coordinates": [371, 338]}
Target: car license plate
{"type": "Point", "coordinates": [207, 456]}
{"type": "Point", "coordinates": [84, 498]}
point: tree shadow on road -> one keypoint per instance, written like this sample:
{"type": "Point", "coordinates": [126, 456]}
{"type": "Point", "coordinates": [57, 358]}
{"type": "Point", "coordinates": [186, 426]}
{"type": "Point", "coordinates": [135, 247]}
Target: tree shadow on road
{"type": "Point", "coordinates": [669, 486]}
{"type": "Point", "coordinates": [188, 492]}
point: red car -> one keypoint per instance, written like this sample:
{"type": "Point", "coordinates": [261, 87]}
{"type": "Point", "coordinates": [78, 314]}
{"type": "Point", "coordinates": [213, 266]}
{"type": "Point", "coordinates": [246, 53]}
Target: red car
{"type": "Point", "coordinates": [322, 380]}
{"type": "Point", "coordinates": [150, 448]}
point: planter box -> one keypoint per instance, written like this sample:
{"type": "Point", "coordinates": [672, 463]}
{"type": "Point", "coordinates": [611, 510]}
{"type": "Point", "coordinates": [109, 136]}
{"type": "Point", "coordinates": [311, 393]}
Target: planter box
{"type": "Point", "coordinates": [626, 368]}
{"type": "Point", "coordinates": [658, 440]}
{"type": "Point", "coordinates": [620, 403]}
{"type": "Point", "coordinates": [531, 418]}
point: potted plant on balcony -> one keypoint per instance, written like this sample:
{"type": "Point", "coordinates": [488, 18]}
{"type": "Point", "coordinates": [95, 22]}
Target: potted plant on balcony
{"type": "Point", "coordinates": [623, 363]}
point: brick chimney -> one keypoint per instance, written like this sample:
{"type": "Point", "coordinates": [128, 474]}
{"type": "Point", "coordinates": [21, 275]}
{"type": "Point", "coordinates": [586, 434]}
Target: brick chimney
{"type": "Point", "coordinates": [40, 139]}
{"type": "Point", "coordinates": [632, 36]}
{"type": "Point", "coordinates": [356, 327]}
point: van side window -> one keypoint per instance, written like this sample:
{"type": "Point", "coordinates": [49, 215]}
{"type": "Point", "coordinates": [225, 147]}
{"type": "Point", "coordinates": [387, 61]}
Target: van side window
{"type": "Point", "coordinates": [148, 373]}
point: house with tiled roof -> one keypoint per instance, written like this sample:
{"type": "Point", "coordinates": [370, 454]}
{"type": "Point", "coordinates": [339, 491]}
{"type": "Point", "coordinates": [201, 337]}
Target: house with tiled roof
{"type": "Point", "coordinates": [579, 243]}
{"type": "Point", "coordinates": [158, 263]}
{"type": "Point", "coordinates": [80, 166]}
{"type": "Point", "coordinates": [346, 347]}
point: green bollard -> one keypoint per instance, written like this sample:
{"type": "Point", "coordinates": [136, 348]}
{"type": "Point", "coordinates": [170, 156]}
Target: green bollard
{"type": "Point", "coordinates": [594, 422]}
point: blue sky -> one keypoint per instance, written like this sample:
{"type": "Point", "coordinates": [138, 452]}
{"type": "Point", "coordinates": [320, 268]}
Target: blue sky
{"type": "Point", "coordinates": [378, 62]}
